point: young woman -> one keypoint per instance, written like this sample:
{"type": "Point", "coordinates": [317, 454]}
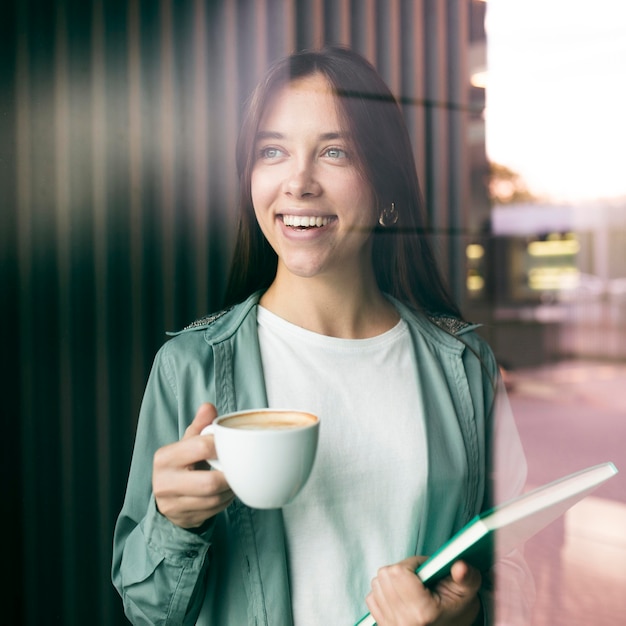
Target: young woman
{"type": "Point", "coordinates": [334, 306]}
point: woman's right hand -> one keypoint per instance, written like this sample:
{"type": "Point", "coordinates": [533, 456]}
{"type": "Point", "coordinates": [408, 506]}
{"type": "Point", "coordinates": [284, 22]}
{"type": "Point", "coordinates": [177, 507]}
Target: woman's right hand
{"type": "Point", "coordinates": [186, 492]}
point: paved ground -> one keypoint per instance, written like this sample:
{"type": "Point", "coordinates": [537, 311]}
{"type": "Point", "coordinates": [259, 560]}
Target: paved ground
{"type": "Point", "coordinates": [572, 415]}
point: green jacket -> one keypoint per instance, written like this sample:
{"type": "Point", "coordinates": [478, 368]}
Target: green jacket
{"type": "Point", "coordinates": [235, 571]}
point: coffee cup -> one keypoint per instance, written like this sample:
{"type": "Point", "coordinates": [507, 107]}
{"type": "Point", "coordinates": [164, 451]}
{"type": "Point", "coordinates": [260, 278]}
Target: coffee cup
{"type": "Point", "coordinates": [265, 454]}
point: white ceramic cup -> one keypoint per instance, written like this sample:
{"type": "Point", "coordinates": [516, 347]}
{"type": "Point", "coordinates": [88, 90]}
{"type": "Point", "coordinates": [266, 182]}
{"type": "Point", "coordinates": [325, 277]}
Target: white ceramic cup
{"type": "Point", "coordinates": [265, 454]}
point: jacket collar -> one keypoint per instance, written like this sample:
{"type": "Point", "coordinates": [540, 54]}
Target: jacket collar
{"type": "Point", "coordinates": [439, 329]}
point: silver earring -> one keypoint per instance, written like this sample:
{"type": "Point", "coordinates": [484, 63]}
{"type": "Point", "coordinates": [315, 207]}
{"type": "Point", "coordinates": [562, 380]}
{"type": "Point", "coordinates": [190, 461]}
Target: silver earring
{"type": "Point", "coordinates": [388, 216]}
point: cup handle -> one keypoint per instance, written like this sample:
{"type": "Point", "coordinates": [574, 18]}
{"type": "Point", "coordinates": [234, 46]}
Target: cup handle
{"type": "Point", "coordinates": [214, 463]}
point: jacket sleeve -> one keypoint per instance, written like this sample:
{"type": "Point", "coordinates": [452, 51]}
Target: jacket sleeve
{"type": "Point", "coordinates": [158, 568]}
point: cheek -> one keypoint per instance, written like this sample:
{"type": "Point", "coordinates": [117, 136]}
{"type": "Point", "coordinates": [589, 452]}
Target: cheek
{"type": "Point", "coordinates": [262, 191]}
{"type": "Point", "coordinates": [359, 193]}
{"type": "Point", "coordinates": [260, 196]}
{"type": "Point", "coordinates": [258, 203]}
{"type": "Point", "coordinates": [255, 190]}
{"type": "Point", "coordinates": [369, 209]}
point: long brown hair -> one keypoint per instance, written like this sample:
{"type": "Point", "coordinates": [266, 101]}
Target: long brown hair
{"type": "Point", "coordinates": [402, 256]}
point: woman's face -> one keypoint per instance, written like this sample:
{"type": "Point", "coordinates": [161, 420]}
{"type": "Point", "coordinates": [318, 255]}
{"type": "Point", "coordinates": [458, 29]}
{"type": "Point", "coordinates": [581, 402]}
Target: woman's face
{"type": "Point", "coordinates": [311, 202]}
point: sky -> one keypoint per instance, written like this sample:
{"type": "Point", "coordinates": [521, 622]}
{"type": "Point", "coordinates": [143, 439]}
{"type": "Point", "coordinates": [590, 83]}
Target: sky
{"type": "Point", "coordinates": [556, 95]}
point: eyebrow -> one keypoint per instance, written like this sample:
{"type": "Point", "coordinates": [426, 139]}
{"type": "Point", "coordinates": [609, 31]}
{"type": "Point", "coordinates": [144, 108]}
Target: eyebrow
{"type": "Point", "coordinates": [270, 134]}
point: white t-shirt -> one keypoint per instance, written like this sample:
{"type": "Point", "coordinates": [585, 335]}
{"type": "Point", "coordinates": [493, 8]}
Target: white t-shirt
{"type": "Point", "coordinates": [358, 510]}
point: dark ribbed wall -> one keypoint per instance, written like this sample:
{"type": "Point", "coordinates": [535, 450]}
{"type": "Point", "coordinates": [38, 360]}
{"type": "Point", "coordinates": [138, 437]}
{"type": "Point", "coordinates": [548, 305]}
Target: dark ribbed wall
{"type": "Point", "coordinates": [118, 124]}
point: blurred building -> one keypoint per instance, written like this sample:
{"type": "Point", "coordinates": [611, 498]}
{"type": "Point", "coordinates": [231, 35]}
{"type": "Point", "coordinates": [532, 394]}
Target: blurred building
{"type": "Point", "coordinates": [555, 281]}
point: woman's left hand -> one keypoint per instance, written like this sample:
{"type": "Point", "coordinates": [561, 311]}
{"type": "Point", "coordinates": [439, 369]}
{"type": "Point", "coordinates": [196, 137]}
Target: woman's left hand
{"type": "Point", "coordinates": [398, 597]}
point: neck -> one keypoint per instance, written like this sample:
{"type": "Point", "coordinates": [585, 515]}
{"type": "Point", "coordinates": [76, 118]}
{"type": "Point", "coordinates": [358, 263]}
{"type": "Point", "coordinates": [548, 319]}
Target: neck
{"type": "Point", "coordinates": [356, 312]}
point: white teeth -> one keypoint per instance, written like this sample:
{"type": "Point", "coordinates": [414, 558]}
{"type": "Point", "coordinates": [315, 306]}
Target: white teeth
{"type": "Point", "coordinates": [305, 221]}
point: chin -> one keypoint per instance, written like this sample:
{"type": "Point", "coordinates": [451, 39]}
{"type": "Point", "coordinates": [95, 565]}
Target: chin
{"type": "Point", "coordinates": [303, 270]}
{"type": "Point", "coordinates": [303, 266]}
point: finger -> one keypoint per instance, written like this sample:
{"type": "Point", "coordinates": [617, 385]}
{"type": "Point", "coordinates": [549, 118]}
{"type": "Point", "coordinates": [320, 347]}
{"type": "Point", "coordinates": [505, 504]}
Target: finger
{"type": "Point", "coordinates": [373, 608]}
{"type": "Point", "coordinates": [204, 416]}
{"type": "Point", "coordinates": [378, 601]}
{"type": "Point", "coordinates": [465, 576]}
{"type": "Point", "coordinates": [188, 498]}
{"type": "Point", "coordinates": [200, 505]}
{"type": "Point", "coordinates": [184, 454]}
{"type": "Point", "coordinates": [190, 512]}
{"type": "Point", "coordinates": [179, 483]}
{"type": "Point", "coordinates": [400, 578]}
{"type": "Point", "coordinates": [413, 562]}
{"type": "Point", "coordinates": [400, 593]}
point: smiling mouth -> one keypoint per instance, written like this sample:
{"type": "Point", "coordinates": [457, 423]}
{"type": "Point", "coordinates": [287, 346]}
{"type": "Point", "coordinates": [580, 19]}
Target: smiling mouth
{"type": "Point", "coordinates": [303, 222]}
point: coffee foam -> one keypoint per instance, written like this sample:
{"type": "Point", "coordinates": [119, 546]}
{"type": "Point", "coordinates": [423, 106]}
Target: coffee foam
{"type": "Point", "coordinates": [269, 420]}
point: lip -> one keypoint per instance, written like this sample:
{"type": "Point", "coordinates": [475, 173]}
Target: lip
{"type": "Point", "coordinates": [301, 212]}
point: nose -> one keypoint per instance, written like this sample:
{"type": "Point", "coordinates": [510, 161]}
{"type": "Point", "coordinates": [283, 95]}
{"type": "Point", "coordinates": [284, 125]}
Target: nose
{"type": "Point", "coordinates": [301, 180]}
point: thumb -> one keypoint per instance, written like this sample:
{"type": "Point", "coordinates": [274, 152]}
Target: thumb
{"type": "Point", "coordinates": [205, 415]}
{"type": "Point", "coordinates": [466, 576]}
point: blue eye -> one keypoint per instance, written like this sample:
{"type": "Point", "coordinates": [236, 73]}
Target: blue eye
{"type": "Point", "coordinates": [270, 152]}
{"type": "Point", "coordinates": [336, 153]}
